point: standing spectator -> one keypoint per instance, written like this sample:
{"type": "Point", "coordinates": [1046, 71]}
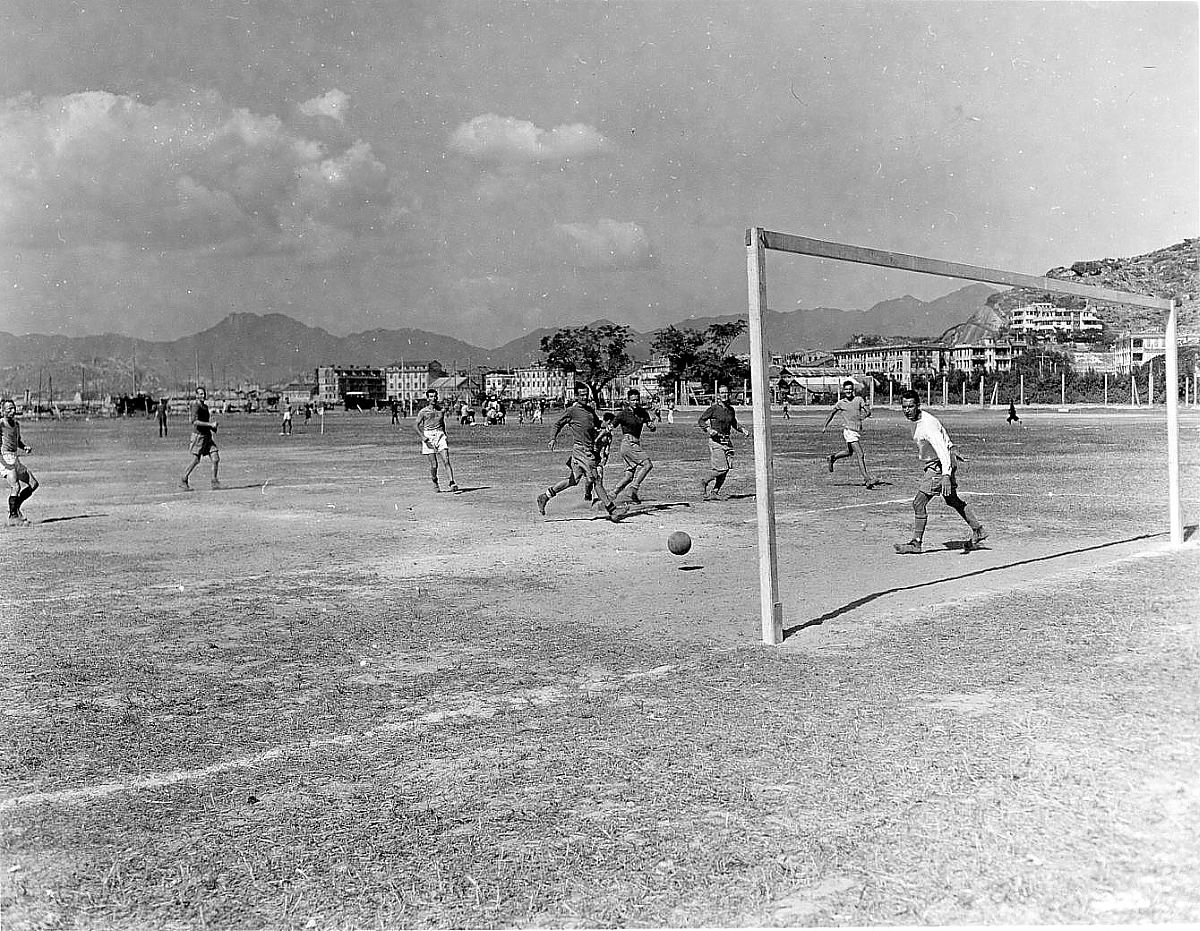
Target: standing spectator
{"type": "Point", "coordinates": [162, 417]}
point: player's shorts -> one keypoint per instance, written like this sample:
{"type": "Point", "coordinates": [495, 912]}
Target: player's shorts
{"type": "Point", "coordinates": [14, 471]}
{"type": "Point", "coordinates": [931, 482]}
{"type": "Point", "coordinates": [434, 441]}
{"type": "Point", "coordinates": [202, 445]}
{"type": "Point", "coordinates": [720, 456]}
{"type": "Point", "coordinates": [633, 454]}
{"type": "Point", "coordinates": [583, 464]}
{"type": "Point", "coordinates": [851, 436]}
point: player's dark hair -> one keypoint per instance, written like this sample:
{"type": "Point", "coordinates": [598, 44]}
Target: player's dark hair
{"type": "Point", "coordinates": [912, 394]}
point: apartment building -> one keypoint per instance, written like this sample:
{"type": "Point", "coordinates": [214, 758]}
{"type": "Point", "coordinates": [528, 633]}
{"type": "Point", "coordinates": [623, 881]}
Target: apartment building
{"type": "Point", "coordinates": [1044, 317]}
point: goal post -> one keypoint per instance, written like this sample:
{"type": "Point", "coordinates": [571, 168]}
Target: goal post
{"type": "Point", "coordinates": [759, 241]}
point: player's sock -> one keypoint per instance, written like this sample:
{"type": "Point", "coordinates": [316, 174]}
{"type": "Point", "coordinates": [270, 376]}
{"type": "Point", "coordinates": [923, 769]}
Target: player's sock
{"type": "Point", "coordinates": [14, 505]}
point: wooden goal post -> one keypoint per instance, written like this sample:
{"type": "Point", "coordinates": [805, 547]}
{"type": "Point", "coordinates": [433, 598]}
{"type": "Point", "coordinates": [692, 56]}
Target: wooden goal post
{"type": "Point", "coordinates": [759, 240]}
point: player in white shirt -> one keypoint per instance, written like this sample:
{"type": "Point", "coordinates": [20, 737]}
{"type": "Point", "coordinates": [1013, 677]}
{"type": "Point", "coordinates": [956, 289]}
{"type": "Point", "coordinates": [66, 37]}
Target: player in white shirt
{"type": "Point", "coordinates": [939, 464]}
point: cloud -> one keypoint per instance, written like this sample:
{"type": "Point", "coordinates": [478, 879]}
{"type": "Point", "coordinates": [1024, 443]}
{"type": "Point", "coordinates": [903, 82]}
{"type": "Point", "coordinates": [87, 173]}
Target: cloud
{"type": "Point", "coordinates": [333, 105]}
{"type": "Point", "coordinates": [605, 244]}
{"type": "Point", "coordinates": [97, 167]}
{"type": "Point", "coordinates": [507, 139]}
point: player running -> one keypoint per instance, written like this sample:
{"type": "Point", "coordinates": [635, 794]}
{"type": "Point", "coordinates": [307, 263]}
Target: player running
{"type": "Point", "coordinates": [632, 418]}
{"type": "Point", "coordinates": [718, 422]}
{"type": "Point", "coordinates": [853, 410]}
{"type": "Point", "coordinates": [431, 428]}
{"type": "Point", "coordinates": [20, 481]}
{"type": "Point", "coordinates": [936, 450]}
{"type": "Point", "coordinates": [203, 443]}
{"type": "Point", "coordinates": [583, 425]}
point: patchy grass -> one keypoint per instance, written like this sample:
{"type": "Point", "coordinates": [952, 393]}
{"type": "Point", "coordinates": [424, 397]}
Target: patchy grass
{"type": "Point", "coordinates": [229, 738]}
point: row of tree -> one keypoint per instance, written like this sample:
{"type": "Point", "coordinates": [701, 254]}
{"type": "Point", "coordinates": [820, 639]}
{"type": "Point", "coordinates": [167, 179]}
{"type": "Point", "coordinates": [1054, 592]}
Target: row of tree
{"type": "Point", "coordinates": [598, 354]}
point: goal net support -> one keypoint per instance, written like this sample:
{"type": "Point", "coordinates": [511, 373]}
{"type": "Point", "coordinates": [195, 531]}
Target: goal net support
{"type": "Point", "coordinates": [759, 240]}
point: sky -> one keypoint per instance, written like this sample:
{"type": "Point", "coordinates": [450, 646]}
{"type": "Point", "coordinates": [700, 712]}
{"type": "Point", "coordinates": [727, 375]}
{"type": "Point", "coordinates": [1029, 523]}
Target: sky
{"type": "Point", "coordinates": [484, 169]}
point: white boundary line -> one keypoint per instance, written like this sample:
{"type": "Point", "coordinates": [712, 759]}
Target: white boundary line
{"type": "Point", "coordinates": [480, 707]}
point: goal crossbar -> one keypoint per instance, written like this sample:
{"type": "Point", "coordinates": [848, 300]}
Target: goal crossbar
{"type": "Point", "coordinates": [759, 240]}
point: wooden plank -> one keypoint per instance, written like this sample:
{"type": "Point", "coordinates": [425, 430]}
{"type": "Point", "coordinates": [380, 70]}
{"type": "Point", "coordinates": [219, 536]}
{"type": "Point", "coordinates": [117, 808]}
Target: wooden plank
{"type": "Point", "coordinates": [802, 245]}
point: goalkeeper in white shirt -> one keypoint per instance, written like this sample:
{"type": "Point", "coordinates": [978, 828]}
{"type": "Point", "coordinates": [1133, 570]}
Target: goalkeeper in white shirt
{"type": "Point", "coordinates": [940, 462]}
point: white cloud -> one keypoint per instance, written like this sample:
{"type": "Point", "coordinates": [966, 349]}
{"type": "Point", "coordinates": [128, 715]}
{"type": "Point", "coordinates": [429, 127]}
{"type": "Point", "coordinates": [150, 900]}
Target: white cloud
{"type": "Point", "coordinates": [606, 244]}
{"type": "Point", "coordinates": [333, 105]}
{"type": "Point", "coordinates": [95, 167]}
{"type": "Point", "coordinates": [504, 138]}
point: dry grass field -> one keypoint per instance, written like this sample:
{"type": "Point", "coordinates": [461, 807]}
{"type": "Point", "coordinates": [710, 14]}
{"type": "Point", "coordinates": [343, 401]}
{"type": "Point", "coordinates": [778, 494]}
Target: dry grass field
{"type": "Point", "coordinates": [325, 697]}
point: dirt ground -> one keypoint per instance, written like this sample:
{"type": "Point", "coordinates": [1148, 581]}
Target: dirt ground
{"type": "Point", "coordinates": [324, 696]}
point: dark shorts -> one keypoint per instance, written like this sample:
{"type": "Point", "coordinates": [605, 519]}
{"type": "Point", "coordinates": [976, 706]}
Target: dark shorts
{"type": "Point", "coordinates": [202, 445]}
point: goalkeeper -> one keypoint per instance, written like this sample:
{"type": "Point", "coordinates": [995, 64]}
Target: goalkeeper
{"type": "Point", "coordinates": [719, 421]}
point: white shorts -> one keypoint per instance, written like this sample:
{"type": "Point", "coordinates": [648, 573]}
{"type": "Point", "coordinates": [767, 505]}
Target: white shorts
{"type": "Point", "coordinates": [434, 441]}
{"type": "Point", "coordinates": [851, 436]}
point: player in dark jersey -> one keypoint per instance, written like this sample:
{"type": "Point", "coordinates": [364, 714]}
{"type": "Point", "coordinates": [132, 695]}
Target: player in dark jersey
{"type": "Point", "coordinates": [202, 443]}
{"type": "Point", "coordinates": [718, 421]}
{"type": "Point", "coordinates": [632, 418]}
{"type": "Point", "coordinates": [20, 481]}
{"type": "Point", "coordinates": [581, 422]}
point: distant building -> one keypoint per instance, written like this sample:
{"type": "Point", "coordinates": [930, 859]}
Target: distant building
{"type": "Point", "coordinates": [501, 384]}
{"type": "Point", "coordinates": [1044, 317]}
{"type": "Point", "coordinates": [1135, 349]}
{"type": "Point", "coordinates": [407, 382]}
{"type": "Point", "coordinates": [988, 355]}
{"type": "Point", "coordinates": [901, 361]}
{"type": "Point", "coordinates": [1092, 360]}
{"type": "Point", "coordinates": [297, 393]}
{"type": "Point", "coordinates": [650, 377]}
{"type": "Point", "coordinates": [543, 381]}
{"type": "Point", "coordinates": [353, 387]}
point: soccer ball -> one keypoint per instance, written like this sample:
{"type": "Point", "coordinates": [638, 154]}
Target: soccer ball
{"type": "Point", "coordinates": [679, 543]}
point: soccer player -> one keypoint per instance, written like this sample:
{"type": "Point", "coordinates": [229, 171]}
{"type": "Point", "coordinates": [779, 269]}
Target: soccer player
{"type": "Point", "coordinates": [162, 417]}
{"type": "Point", "coordinates": [940, 462]}
{"type": "Point", "coordinates": [584, 426]}
{"type": "Point", "coordinates": [1012, 413]}
{"type": "Point", "coordinates": [15, 473]}
{"type": "Point", "coordinates": [718, 421]}
{"type": "Point", "coordinates": [286, 428]}
{"type": "Point", "coordinates": [853, 410]}
{"type": "Point", "coordinates": [203, 443]}
{"type": "Point", "coordinates": [431, 428]}
{"type": "Point", "coordinates": [632, 418]}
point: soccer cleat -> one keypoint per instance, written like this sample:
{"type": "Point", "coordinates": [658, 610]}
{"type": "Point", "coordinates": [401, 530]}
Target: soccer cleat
{"type": "Point", "coordinates": [911, 548]}
{"type": "Point", "coordinates": [977, 537]}
{"type": "Point", "coordinates": [829, 461]}
{"type": "Point", "coordinates": [16, 520]}
{"type": "Point", "coordinates": [634, 498]}
{"type": "Point", "coordinates": [184, 486]}
{"type": "Point", "coordinates": [703, 490]}
{"type": "Point", "coordinates": [455, 489]}
{"type": "Point", "coordinates": [216, 486]}
{"type": "Point", "coordinates": [542, 501]}
{"type": "Point", "coordinates": [615, 514]}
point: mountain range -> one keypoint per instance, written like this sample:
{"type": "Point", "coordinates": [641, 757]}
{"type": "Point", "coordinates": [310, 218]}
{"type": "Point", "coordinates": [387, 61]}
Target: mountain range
{"type": "Point", "coordinates": [273, 348]}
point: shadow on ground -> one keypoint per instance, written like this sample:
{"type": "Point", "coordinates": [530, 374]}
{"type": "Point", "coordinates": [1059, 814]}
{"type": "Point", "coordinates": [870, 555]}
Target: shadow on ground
{"type": "Point", "coordinates": [867, 599]}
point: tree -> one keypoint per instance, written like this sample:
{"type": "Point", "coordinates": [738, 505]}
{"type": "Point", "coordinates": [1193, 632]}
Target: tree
{"type": "Point", "coordinates": [681, 348]}
{"type": "Point", "coordinates": [701, 354]}
{"type": "Point", "coordinates": [595, 354]}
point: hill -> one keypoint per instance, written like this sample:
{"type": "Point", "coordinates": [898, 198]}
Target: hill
{"type": "Point", "coordinates": [1168, 272]}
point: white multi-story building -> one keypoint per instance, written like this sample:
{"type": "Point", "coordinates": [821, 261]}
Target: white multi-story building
{"type": "Point", "coordinates": [501, 385]}
{"type": "Point", "coordinates": [407, 382]}
{"type": "Point", "coordinates": [649, 378]}
{"type": "Point", "coordinates": [989, 355]}
{"type": "Point", "coordinates": [543, 381]}
{"type": "Point", "coordinates": [899, 361]}
{"type": "Point", "coordinates": [1135, 349]}
{"type": "Point", "coordinates": [1045, 317]}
